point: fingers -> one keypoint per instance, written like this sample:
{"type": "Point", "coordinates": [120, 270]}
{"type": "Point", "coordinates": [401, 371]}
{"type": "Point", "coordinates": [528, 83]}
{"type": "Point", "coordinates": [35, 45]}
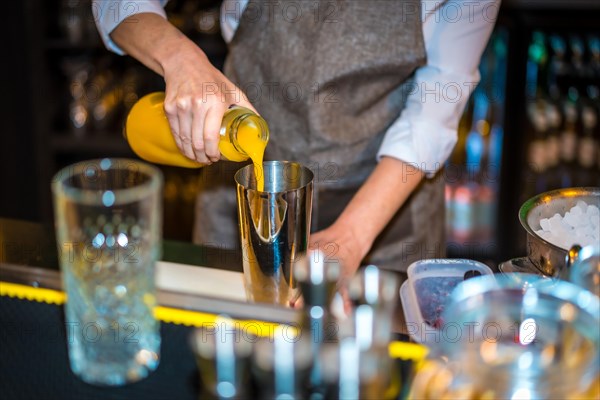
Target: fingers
{"type": "Point", "coordinates": [198, 117]}
{"type": "Point", "coordinates": [244, 102]}
{"type": "Point", "coordinates": [184, 115]}
{"type": "Point", "coordinates": [212, 126]}
{"type": "Point", "coordinates": [171, 113]}
{"type": "Point", "coordinates": [297, 302]}
{"type": "Point", "coordinates": [347, 302]}
{"type": "Point", "coordinates": [195, 116]}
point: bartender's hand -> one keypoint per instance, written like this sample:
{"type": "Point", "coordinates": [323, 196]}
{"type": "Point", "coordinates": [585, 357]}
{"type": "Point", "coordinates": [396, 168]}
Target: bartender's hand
{"type": "Point", "coordinates": [350, 238]}
{"type": "Point", "coordinates": [197, 94]}
{"type": "Point", "coordinates": [342, 243]}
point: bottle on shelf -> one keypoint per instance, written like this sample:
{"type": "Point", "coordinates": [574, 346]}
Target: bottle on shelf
{"type": "Point", "coordinates": [466, 210]}
{"type": "Point", "coordinates": [594, 51]}
{"type": "Point", "coordinates": [568, 138]}
{"type": "Point", "coordinates": [473, 170]}
{"type": "Point", "coordinates": [578, 67]}
{"type": "Point", "coordinates": [537, 121]}
{"type": "Point", "coordinates": [536, 175]}
{"type": "Point", "coordinates": [485, 181]}
{"type": "Point", "coordinates": [536, 67]}
{"type": "Point", "coordinates": [586, 146]}
{"type": "Point", "coordinates": [552, 143]}
{"type": "Point", "coordinates": [559, 69]}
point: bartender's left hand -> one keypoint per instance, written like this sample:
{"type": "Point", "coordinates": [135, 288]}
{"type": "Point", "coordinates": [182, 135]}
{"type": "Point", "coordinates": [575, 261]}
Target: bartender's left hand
{"type": "Point", "coordinates": [350, 238]}
{"type": "Point", "coordinates": [343, 244]}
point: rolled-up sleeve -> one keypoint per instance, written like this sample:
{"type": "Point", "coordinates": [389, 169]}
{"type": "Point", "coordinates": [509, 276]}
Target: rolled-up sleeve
{"type": "Point", "coordinates": [455, 33]}
{"type": "Point", "coordinates": [108, 14]}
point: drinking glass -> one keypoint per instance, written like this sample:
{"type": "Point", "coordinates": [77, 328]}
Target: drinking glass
{"type": "Point", "coordinates": [108, 226]}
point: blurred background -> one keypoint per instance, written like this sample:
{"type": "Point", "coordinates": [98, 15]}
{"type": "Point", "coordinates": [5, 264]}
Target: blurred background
{"type": "Point", "coordinates": [531, 125]}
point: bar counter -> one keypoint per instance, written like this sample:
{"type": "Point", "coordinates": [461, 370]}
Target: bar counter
{"type": "Point", "coordinates": [34, 361]}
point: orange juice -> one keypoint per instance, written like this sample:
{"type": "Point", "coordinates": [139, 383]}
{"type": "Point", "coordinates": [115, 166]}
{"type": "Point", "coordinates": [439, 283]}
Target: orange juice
{"type": "Point", "coordinates": [245, 137]}
{"type": "Point", "coordinates": [244, 134]}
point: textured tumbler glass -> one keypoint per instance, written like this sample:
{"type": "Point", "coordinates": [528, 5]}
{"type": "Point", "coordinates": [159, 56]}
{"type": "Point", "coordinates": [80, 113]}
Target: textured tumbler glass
{"type": "Point", "coordinates": [108, 222]}
{"type": "Point", "coordinates": [274, 226]}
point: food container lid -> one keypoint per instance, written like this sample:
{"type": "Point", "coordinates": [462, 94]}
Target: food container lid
{"type": "Point", "coordinates": [426, 291]}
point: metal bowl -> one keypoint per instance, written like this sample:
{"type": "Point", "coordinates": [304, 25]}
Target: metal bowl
{"type": "Point", "coordinates": [548, 258]}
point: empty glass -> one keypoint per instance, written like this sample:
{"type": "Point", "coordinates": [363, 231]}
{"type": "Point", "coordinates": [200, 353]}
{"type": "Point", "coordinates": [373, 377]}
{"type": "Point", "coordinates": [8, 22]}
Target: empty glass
{"type": "Point", "coordinates": [108, 226]}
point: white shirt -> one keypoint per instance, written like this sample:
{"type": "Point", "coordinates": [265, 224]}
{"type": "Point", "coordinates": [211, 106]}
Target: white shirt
{"type": "Point", "coordinates": [455, 33]}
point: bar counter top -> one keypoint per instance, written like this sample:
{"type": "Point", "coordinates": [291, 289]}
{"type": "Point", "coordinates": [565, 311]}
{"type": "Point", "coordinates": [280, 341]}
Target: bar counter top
{"type": "Point", "coordinates": [33, 355]}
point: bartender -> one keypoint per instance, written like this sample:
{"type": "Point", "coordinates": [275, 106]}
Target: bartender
{"type": "Point", "coordinates": [366, 93]}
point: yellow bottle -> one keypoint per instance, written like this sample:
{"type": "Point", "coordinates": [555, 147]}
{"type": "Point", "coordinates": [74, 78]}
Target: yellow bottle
{"type": "Point", "coordinates": [244, 134]}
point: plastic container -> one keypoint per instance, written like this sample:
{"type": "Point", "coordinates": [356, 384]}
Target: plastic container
{"type": "Point", "coordinates": [425, 293]}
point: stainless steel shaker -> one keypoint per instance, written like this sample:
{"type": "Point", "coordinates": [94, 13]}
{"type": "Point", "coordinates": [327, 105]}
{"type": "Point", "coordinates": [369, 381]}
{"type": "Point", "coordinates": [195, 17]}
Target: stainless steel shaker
{"type": "Point", "coordinates": [274, 228]}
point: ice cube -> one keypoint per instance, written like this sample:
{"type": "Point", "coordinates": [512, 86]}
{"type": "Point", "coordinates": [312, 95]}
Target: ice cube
{"type": "Point", "coordinates": [594, 220]}
{"type": "Point", "coordinates": [581, 220]}
{"type": "Point", "coordinates": [555, 222]}
{"type": "Point", "coordinates": [576, 210]}
{"type": "Point", "coordinates": [584, 230]}
{"type": "Point", "coordinates": [592, 210]}
{"type": "Point", "coordinates": [547, 236]}
{"type": "Point", "coordinates": [569, 218]}
{"type": "Point", "coordinates": [540, 232]}
{"type": "Point", "coordinates": [583, 205]}
{"type": "Point", "coordinates": [545, 224]}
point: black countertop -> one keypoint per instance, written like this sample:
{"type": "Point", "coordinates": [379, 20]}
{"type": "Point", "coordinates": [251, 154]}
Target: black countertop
{"type": "Point", "coordinates": [33, 348]}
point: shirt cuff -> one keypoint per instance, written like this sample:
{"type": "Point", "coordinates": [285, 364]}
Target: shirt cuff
{"type": "Point", "coordinates": [109, 14]}
{"type": "Point", "coordinates": [426, 131]}
{"type": "Point", "coordinates": [426, 145]}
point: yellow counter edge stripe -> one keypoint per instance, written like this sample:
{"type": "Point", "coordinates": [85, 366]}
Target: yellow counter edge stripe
{"type": "Point", "coordinates": [24, 292]}
{"type": "Point", "coordinates": [402, 350]}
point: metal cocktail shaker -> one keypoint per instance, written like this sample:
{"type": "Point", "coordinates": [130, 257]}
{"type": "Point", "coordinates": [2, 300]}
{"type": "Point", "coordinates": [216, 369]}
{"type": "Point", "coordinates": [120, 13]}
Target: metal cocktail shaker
{"type": "Point", "coordinates": [274, 228]}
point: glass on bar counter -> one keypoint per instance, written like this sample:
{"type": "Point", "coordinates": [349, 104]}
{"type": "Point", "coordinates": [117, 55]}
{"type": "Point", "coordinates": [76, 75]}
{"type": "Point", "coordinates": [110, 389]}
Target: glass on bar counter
{"type": "Point", "coordinates": [108, 225]}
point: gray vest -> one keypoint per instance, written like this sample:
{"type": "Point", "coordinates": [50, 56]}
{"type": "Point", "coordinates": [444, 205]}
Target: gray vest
{"type": "Point", "coordinates": [329, 77]}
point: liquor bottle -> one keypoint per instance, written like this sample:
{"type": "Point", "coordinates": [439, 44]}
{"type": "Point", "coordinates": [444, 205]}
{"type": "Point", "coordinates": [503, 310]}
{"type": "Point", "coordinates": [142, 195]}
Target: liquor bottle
{"type": "Point", "coordinates": [552, 143]}
{"type": "Point", "coordinates": [558, 68]}
{"type": "Point", "coordinates": [537, 122]}
{"type": "Point", "coordinates": [131, 86]}
{"type": "Point", "coordinates": [105, 110]}
{"type": "Point", "coordinates": [465, 224]}
{"type": "Point", "coordinates": [594, 51]}
{"type": "Point", "coordinates": [536, 152]}
{"type": "Point", "coordinates": [586, 146]}
{"type": "Point", "coordinates": [568, 139]}
{"type": "Point", "coordinates": [580, 71]}
{"type": "Point", "coordinates": [485, 181]}
{"type": "Point", "coordinates": [536, 67]}
{"type": "Point", "coordinates": [455, 172]}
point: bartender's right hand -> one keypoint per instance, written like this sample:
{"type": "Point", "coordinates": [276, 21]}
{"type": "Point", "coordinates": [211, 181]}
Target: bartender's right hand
{"type": "Point", "coordinates": [197, 93]}
{"type": "Point", "coordinates": [197, 96]}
